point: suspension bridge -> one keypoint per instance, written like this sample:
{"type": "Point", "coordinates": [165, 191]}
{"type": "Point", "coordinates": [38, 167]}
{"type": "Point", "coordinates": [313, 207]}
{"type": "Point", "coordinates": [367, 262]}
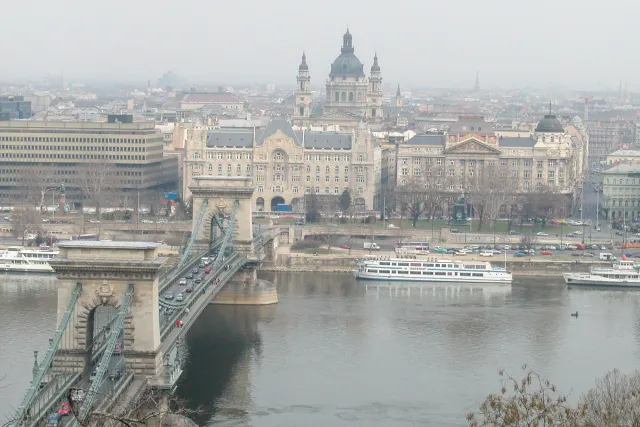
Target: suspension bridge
{"type": "Point", "coordinates": [141, 345]}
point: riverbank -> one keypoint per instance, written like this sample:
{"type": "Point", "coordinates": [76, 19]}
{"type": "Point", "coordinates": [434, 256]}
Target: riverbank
{"type": "Point", "coordinates": [539, 266]}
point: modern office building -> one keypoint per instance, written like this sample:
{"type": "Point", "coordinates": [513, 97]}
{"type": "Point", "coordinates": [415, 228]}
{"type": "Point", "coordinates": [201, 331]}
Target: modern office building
{"type": "Point", "coordinates": [123, 154]}
{"type": "Point", "coordinates": [14, 107]}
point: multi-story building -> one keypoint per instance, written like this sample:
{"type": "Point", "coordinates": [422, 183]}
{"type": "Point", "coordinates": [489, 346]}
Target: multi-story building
{"type": "Point", "coordinates": [623, 156]}
{"type": "Point", "coordinates": [129, 154]}
{"type": "Point", "coordinates": [287, 164]}
{"type": "Point", "coordinates": [604, 137]}
{"type": "Point", "coordinates": [621, 191]}
{"type": "Point", "coordinates": [472, 158]}
{"type": "Point", "coordinates": [14, 107]}
{"type": "Point", "coordinates": [351, 97]}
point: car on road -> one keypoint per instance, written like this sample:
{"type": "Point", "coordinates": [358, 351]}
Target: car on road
{"type": "Point", "coordinates": [189, 276]}
{"type": "Point", "coordinates": [183, 281]}
{"type": "Point", "coordinates": [546, 253]}
{"type": "Point", "coordinates": [332, 225]}
{"type": "Point", "coordinates": [94, 221]}
{"type": "Point", "coordinates": [168, 295]}
{"type": "Point", "coordinates": [207, 270]}
{"type": "Point", "coordinates": [520, 254]}
{"type": "Point", "coordinates": [513, 233]}
{"type": "Point", "coordinates": [115, 374]}
{"type": "Point", "coordinates": [345, 247]}
{"type": "Point", "coordinates": [65, 409]}
{"type": "Point", "coordinates": [188, 290]}
{"type": "Point", "coordinates": [162, 221]}
{"type": "Point", "coordinates": [441, 250]}
{"type": "Point", "coordinates": [299, 223]}
{"type": "Point", "coordinates": [202, 264]}
{"type": "Point", "coordinates": [54, 420]}
{"type": "Point", "coordinates": [77, 395]}
{"type": "Point", "coordinates": [198, 280]}
{"type": "Point", "coordinates": [118, 348]}
{"type": "Point", "coordinates": [486, 253]}
{"type": "Point", "coordinates": [146, 221]}
{"type": "Point", "coordinates": [195, 270]}
{"type": "Point", "coordinates": [541, 233]}
{"type": "Point", "coordinates": [179, 297]}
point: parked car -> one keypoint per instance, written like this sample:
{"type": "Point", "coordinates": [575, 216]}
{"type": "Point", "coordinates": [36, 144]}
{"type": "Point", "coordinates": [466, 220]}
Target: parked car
{"type": "Point", "coordinates": [189, 276]}
{"type": "Point", "coordinates": [198, 280]}
{"type": "Point", "coordinates": [513, 233]}
{"type": "Point", "coordinates": [345, 247]}
{"type": "Point", "coordinates": [546, 253]}
{"type": "Point", "coordinates": [54, 420]}
{"type": "Point", "coordinates": [541, 233]}
{"type": "Point", "coordinates": [520, 254]}
{"type": "Point", "coordinates": [207, 270]}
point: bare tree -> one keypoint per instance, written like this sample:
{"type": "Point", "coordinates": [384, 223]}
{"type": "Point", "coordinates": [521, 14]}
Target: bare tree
{"type": "Point", "coordinates": [413, 200]}
{"type": "Point", "coordinates": [25, 220]}
{"type": "Point", "coordinates": [96, 181]}
{"type": "Point", "coordinates": [152, 407]}
{"type": "Point", "coordinates": [36, 181]}
{"type": "Point", "coordinates": [527, 402]}
{"type": "Point", "coordinates": [614, 401]}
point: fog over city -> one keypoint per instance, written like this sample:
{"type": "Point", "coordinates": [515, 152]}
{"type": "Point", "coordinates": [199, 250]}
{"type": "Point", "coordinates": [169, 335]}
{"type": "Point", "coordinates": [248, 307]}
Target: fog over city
{"type": "Point", "coordinates": [580, 44]}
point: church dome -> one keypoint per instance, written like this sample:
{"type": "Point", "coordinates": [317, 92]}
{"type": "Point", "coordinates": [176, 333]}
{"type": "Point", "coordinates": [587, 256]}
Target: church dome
{"type": "Point", "coordinates": [549, 124]}
{"type": "Point", "coordinates": [347, 64]}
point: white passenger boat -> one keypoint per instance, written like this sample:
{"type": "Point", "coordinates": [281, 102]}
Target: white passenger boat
{"type": "Point", "coordinates": [623, 274]}
{"type": "Point", "coordinates": [431, 270]}
{"type": "Point", "coordinates": [20, 260]}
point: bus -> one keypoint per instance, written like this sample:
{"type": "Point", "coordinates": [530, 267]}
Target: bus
{"type": "Point", "coordinates": [416, 248]}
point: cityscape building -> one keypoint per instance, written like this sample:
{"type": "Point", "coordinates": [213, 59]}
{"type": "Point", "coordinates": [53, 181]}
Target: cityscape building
{"type": "Point", "coordinates": [14, 107]}
{"type": "Point", "coordinates": [350, 96]}
{"type": "Point", "coordinates": [474, 159]}
{"type": "Point", "coordinates": [286, 164]}
{"type": "Point", "coordinates": [122, 154]}
{"type": "Point", "coordinates": [621, 192]}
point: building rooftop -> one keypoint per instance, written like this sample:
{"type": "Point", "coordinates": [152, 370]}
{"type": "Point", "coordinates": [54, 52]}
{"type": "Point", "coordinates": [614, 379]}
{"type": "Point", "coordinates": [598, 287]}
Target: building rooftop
{"type": "Point", "coordinates": [107, 244]}
{"type": "Point", "coordinates": [625, 153]}
{"type": "Point", "coordinates": [549, 124]}
{"type": "Point", "coordinates": [515, 142]}
{"type": "Point", "coordinates": [212, 97]}
{"type": "Point", "coordinates": [623, 169]}
{"type": "Point", "coordinates": [426, 140]}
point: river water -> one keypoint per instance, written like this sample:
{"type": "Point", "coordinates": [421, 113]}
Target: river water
{"type": "Point", "coordinates": [340, 353]}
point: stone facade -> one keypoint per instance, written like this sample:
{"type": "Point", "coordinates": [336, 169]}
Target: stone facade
{"type": "Point", "coordinates": [350, 95]}
{"type": "Point", "coordinates": [105, 270]}
{"type": "Point", "coordinates": [284, 164]}
{"type": "Point", "coordinates": [621, 192]}
{"type": "Point", "coordinates": [472, 158]}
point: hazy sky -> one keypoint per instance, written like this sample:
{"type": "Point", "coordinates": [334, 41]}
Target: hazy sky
{"type": "Point", "coordinates": [513, 43]}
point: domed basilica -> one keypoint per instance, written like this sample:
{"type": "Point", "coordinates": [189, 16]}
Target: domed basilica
{"type": "Point", "coordinates": [351, 96]}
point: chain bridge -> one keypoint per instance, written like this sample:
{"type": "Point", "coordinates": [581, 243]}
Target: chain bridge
{"type": "Point", "coordinates": [141, 345]}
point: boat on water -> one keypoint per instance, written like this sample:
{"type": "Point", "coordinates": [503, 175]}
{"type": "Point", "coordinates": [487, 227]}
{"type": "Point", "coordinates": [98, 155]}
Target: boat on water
{"type": "Point", "coordinates": [431, 270]}
{"type": "Point", "coordinates": [622, 273]}
{"type": "Point", "coordinates": [20, 260]}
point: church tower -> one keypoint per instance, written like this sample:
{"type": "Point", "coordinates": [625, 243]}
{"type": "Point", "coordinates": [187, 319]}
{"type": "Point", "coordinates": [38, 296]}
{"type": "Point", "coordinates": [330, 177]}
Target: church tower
{"type": "Point", "coordinates": [303, 90]}
{"type": "Point", "coordinates": [399, 102]}
{"type": "Point", "coordinates": [375, 91]}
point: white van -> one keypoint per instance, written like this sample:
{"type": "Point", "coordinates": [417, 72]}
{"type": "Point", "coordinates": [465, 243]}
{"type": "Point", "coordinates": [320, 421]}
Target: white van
{"type": "Point", "coordinates": [606, 256]}
{"type": "Point", "coordinates": [486, 253]}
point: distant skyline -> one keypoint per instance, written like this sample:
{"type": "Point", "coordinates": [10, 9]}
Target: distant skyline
{"type": "Point", "coordinates": [579, 44]}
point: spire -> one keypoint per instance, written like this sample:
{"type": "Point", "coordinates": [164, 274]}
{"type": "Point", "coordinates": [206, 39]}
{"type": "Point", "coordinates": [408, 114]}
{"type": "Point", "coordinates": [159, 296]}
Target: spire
{"type": "Point", "coordinates": [347, 42]}
{"type": "Point", "coordinates": [375, 66]}
{"type": "Point", "coordinates": [477, 85]}
{"type": "Point", "coordinates": [398, 94]}
{"type": "Point", "coordinates": [303, 65]}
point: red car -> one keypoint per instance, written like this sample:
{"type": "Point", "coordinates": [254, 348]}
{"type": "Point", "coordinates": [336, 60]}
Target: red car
{"type": "Point", "coordinates": [546, 253]}
{"type": "Point", "coordinates": [345, 247]}
{"type": "Point", "coordinates": [65, 409]}
{"type": "Point", "coordinates": [207, 270]}
{"type": "Point", "coordinates": [188, 290]}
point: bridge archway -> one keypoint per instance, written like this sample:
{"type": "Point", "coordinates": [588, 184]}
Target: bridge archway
{"type": "Point", "coordinates": [277, 200]}
{"type": "Point", "coordinates": [105, 273]}
{"type": "Point", "coordinates": [260, 204]}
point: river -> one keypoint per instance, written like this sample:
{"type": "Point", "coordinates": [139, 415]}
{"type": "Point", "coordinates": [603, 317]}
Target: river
{"type": "Point", "coordinates": [336, 352]}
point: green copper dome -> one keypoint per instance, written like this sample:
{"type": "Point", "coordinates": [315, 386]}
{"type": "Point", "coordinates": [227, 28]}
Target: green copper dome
{"type": "Point", "coordinates": [347, 64]}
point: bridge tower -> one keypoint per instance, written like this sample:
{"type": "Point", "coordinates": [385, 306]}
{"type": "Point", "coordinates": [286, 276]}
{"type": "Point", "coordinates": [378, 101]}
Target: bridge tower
{"type": "Point", "coordinates": [105, 270]}
{"type": "Point", "coordinates": [217, 195]}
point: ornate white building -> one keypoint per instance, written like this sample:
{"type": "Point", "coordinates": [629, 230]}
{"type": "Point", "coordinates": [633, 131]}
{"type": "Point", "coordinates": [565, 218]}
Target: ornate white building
{"type": "Point", "coordinates": [350, 96]}
{"type": "Point", "coordinates": [287, 164]}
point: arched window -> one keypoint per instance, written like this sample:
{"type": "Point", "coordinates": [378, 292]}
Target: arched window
{"type": "Point", "coordinates": [301, 85]}
{"type": "Point", "coordinates": [278, 156]}
{"type": "Point", "coordinates": [359, 97]}
{"type": "Point", "coordinates": [350, 96]}
{"type": "Point", "coordinates": [337, 96]}
{"type": "Point", "coordinates": [344, 96]}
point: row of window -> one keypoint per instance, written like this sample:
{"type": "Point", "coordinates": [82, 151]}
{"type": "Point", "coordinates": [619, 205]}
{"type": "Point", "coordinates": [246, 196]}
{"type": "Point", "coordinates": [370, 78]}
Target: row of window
{"type": "Point", "coordinates": [70, 156]}
{"type": "Point", "coordinates": [462, 162]}
{"type": "Point", "coordinates": [85, 140]}
{"type": "Point", "coordinates": [279, 156]}
{"type": "Point", "coordinates": [526, 185]}
{"type": "Point", "coordinates": [471, 173]}
{"type": "Point", "coordinates": [307, 190]}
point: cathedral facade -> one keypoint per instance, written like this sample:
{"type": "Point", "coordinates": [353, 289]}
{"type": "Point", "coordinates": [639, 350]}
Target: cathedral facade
{"type": "Point", "coordinates": [351, 97]}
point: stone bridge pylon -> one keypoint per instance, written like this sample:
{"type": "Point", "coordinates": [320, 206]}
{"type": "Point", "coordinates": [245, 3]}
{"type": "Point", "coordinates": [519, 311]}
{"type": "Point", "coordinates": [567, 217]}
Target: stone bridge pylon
{"type": "Point", "coordinates": [221, 192]}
